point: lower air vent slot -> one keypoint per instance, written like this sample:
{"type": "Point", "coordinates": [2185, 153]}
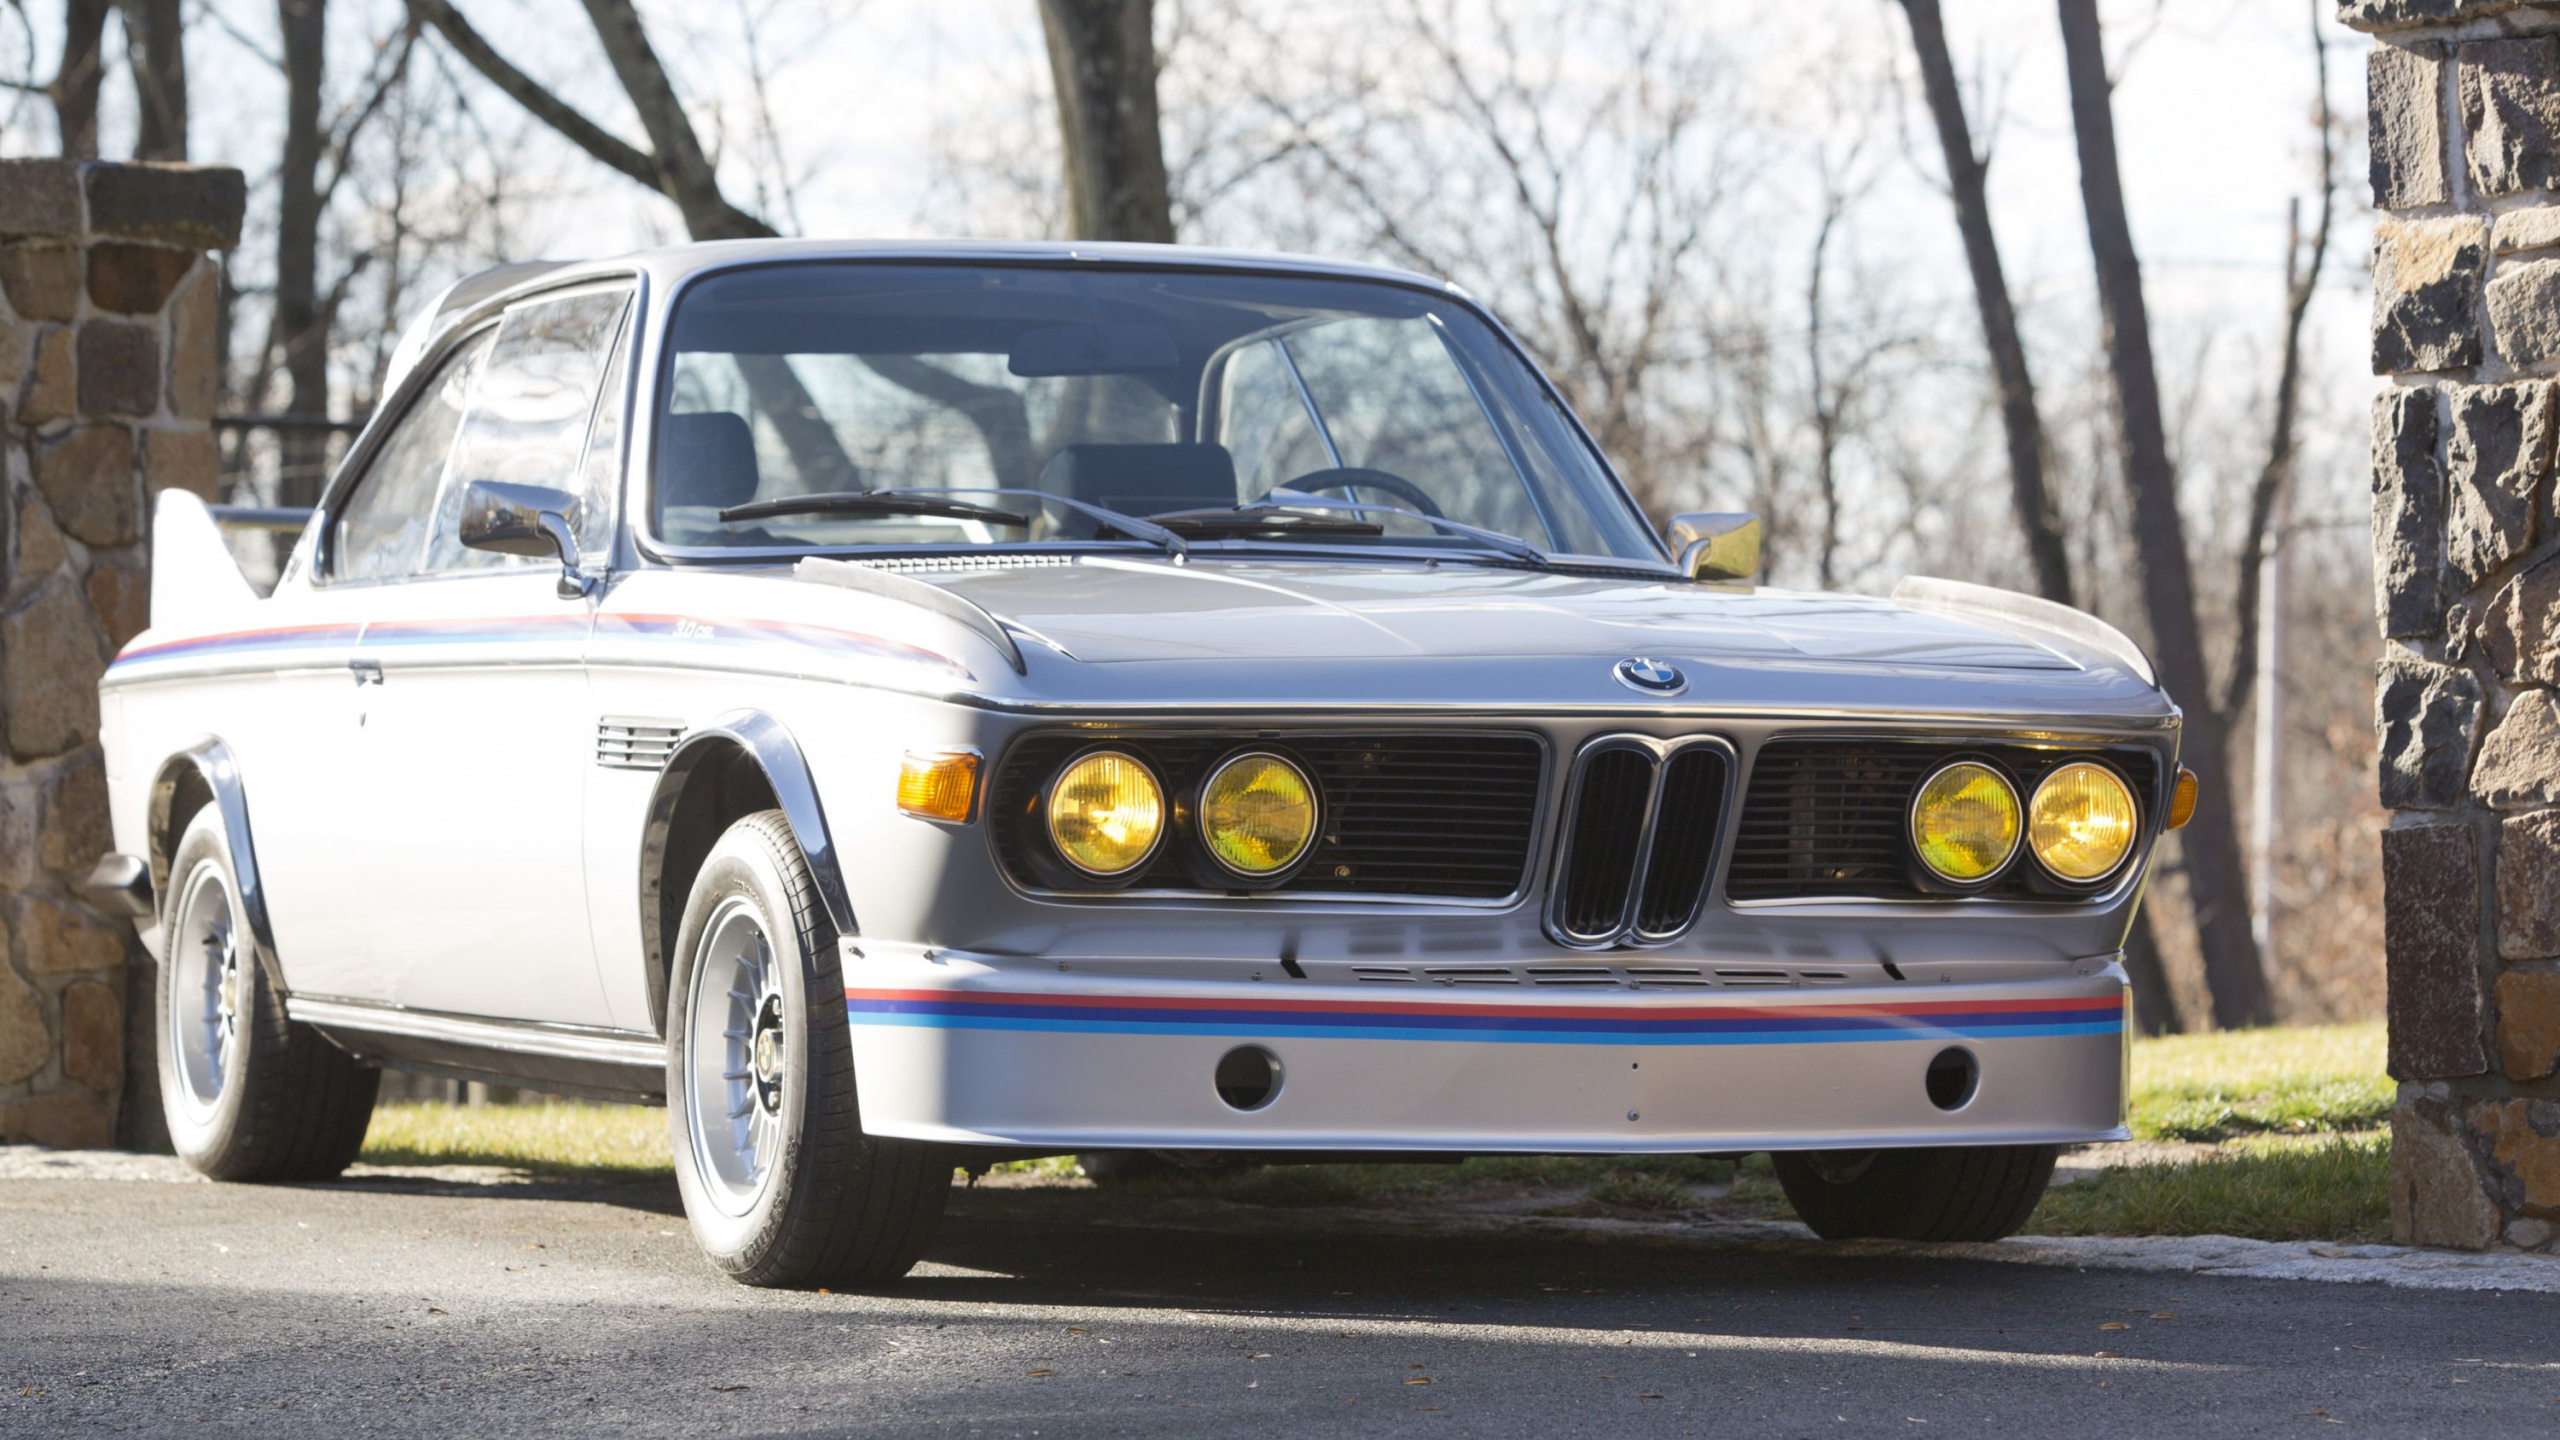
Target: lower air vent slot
{"type": "Point", "coordinates": [1471, 975]}
{"type": "Point", "coordinates": [1604, 844]}
{"type": "Point", "coordinates": [1754, 977]}
{"type": "Point", "coordinates": [1384, 975]}
{"type": "Point", "coordinates": [1572, 975]}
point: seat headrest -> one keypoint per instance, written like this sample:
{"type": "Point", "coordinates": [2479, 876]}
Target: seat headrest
{"type": "Point", "coordinates": [707, 459]}
{"type": "Point", "coordinates": [1142, 479]}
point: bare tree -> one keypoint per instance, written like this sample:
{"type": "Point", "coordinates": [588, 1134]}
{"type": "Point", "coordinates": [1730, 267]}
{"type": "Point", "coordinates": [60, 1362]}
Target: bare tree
{"type": "Point", "coordinates": [156, 42]}
{"type": "Point", "coordinates": [2216, 881]}
{"type": "Point", "coordinates": [78, 75]}
{"type": "Point", "coordinates": [1102, 63]}
{"type": "Point", "coordinates": [298, 330]}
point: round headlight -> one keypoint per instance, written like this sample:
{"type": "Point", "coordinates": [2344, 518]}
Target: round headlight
{"type": "Point", "coordinates": [1258, 814]}
{"type": "Point", "coordinates": [1964, 822]}
{"type": "Point", "coordinates": [1106, 813]}
{"type": "Point", "coordinates": [2082, 821]}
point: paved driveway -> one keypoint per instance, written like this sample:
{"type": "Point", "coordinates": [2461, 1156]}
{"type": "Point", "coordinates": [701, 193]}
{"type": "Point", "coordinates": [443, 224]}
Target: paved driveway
{"type": "Point", "coordinates": [435, 1302]}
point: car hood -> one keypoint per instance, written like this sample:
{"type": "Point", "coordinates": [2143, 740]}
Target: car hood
{"type": "Point", "coordinates": [1118, 612]}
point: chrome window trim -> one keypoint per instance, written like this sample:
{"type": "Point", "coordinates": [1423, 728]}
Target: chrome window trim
{"type": "Point", "coordinates": [1625, 934]}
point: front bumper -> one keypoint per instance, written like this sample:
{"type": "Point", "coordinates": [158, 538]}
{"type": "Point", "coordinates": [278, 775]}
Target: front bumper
{"type": "Point", "coordinates": [995, 1053]}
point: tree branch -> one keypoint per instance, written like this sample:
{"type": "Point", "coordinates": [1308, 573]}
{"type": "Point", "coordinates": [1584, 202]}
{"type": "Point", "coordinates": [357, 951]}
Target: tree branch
{"type": "Point", "coordinates": [528, 92]}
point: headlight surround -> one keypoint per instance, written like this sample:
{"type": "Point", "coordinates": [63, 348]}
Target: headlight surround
{"type": "Point", "coordinates": [2082, 823]}
{"type": "Point", "coordinates": [1106, 813]}
{"type": "Point", "coordinates": [1965, 822]}
{"type": "Point", "coordinates": [1258, 814]}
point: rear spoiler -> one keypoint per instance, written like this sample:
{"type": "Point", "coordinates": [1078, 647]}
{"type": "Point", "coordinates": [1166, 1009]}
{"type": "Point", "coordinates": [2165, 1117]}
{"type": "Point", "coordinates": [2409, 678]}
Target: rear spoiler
{"type": "Point", "coordinates": [283, 519]}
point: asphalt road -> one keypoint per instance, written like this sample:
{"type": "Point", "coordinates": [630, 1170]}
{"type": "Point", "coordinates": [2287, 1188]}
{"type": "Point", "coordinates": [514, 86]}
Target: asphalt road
{"type": "Point", "coordinates": [401, 1306]}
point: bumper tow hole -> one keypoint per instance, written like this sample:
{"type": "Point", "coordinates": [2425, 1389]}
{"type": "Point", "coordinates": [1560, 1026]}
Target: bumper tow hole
{"type": "Point", "coordinates": [1953, 1076]}
{"type": "Point", "coordinates": [1248, 1077]}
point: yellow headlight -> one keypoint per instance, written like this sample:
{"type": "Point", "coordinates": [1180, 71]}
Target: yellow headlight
{"type": "Point", "coordinates": [1258, 814]}
{"type": "Point", "coordinates": [2082, 821]}
{"type": "Point", "coordinates": [1106, 812]}
{"type": "Point", "coordinates": [1964, 822]}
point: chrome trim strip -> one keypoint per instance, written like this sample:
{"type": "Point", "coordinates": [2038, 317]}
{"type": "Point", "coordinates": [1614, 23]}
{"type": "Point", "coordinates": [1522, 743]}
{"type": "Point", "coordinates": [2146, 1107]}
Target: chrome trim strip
{"type": "Point", "coordinates": [566, 1042]}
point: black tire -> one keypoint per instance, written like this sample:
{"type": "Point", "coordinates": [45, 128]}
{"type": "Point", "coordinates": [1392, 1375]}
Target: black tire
{"type": "Point", "coordinates": [280, 1102]}
{"type": "Point", "coordinates": [827, 1204]}
{"type": "Point", "coordinates": [1972, 1192]}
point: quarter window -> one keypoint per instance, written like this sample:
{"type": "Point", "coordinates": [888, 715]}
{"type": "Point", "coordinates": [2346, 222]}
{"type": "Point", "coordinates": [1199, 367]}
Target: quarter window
{"type": "Point", "coordinates": [382, 529]}
{"type": "Point", "coordinates": [528, 423]}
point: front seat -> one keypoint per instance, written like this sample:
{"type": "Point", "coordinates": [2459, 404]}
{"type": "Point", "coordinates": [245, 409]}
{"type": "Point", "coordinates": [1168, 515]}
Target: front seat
{"type": "Point", "coordinates": [1143, 479]}
{"type": "Point", "coordinates": [706, 460]}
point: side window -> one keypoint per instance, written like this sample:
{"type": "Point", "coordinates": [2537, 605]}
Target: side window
{"type": "Point", "coordinates": [528, 419]}
{"type": "Point", "coordinates": [599, 486]}
{"type": "Point", "coordinates": [381, 531]}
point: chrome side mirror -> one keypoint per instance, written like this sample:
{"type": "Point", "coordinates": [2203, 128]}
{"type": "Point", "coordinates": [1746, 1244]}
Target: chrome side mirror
{"type": "Point", "coordinates": [1721, 546]}
{"type": "Point", "coordinates": [524, 520]}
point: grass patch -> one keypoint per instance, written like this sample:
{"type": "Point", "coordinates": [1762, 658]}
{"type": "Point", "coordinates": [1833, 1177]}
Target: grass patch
{"type": "Point", "coordinates": [2301, 1081]}
{"type": "Point", "coordinates": [2335, 1189]}
{"type": "Point", "coordinates": [553, 1137]}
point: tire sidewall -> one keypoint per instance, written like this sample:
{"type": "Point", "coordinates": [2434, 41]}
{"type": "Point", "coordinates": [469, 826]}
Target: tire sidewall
{"type": "Point", "coordinates": [744, 865]}
{"type": "Point", "coordinates": [204, 1139]}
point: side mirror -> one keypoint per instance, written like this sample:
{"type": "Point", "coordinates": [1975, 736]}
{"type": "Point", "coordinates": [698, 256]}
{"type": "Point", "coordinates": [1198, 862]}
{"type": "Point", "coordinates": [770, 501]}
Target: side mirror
{"type": "Point", "coordinates": [1722, 546]}
{"type": "Point", "coordinates": [524, 520]}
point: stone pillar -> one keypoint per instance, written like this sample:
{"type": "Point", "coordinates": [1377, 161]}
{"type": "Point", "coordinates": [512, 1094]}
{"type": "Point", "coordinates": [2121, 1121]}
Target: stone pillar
{"type": "Point", "coordinates": [108, 368]}
{"type": "Point", "coordinates": [2465, 132]}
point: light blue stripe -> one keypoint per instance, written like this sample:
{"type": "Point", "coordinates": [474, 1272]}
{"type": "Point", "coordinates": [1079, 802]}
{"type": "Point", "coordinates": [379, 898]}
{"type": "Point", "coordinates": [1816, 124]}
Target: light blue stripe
{"type": "Point", "coordinates": [1515, 1037]}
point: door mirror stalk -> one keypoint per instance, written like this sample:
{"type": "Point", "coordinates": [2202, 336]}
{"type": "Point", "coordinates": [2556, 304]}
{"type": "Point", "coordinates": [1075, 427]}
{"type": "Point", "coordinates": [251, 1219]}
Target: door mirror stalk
{"type": "Point", "coordinates": [1718, 546]}
{"type": "Point", "coordinates": [525, 520]}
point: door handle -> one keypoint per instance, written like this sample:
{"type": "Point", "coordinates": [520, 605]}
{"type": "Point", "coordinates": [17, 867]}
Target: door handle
{"type": "Point", "coordinates": [367, 672]}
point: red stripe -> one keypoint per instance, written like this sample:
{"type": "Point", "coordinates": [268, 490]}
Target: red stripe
{"type": "Point", "coordinates": [1911, 1010]}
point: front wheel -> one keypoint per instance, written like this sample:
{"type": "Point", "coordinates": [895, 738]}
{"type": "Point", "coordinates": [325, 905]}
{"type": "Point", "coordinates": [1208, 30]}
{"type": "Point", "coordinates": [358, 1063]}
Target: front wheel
{"type": "Point", "coordinates": [780, 1183]}
{"type": "Point", "coordinates": [249, 1093]}
{"type": "Point", "coordinates": [1971, 1192]}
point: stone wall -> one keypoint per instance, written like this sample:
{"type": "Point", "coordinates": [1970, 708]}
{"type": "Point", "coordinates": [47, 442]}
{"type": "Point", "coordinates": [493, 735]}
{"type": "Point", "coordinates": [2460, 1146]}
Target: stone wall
{"type": "Point", "coordinates": [108, 369]}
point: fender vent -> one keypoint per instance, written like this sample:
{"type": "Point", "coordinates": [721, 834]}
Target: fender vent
{"type": "Point", "coordinates": [627, 744]}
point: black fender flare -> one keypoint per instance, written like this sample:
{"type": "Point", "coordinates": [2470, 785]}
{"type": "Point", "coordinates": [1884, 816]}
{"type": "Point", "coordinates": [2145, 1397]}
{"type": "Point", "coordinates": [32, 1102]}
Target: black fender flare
{"type": "Point", "coordinates": [210, 762]}
{"type": "Point", "coordinates": [769, 747]}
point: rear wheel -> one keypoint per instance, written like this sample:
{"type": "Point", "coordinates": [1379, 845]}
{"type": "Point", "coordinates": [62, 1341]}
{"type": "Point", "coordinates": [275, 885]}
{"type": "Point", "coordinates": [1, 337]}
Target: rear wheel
{"type": "Point", "coordinates": [780, 1183]}
{"type": "Point", "coordinates": [1973, 1192]}
{"type": "Point", "coordinates": [249, 1094]}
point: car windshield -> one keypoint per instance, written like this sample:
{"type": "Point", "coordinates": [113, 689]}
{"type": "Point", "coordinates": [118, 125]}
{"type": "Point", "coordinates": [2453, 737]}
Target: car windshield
{"type": "Point", "coordinates": [1382, 416]}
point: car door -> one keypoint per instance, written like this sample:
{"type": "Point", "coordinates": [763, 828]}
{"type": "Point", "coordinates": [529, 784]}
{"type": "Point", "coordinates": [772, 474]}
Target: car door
{"type": "Point", "coordinates": [481, 734]}
{"type": "Point", "coordinates": [312, 791]}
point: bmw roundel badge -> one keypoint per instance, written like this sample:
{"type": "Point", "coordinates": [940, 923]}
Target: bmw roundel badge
{"type": "Point", "coordinates": [1653, 677]}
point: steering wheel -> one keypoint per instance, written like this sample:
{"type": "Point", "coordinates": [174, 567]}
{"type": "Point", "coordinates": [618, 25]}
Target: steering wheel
{"type": "Point", "coordinates": [1347, 477]}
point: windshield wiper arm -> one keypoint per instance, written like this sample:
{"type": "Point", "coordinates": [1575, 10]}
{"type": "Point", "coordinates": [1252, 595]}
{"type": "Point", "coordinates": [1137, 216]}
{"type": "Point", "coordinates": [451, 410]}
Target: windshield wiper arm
{"type": "Point", "coordinates": [1511, 545]}
{"type": "Point", "coordinates": [1265, 520]}
{"type": "Point", "coordinates": [870, 502]}
{"type": "Point", "coordinates": [1129, 525]}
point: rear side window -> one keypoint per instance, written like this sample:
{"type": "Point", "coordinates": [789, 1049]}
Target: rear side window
{"type": "Point", "coordinates": [381, 531]}
{"type": "Point", "coordinates": [529, 415]}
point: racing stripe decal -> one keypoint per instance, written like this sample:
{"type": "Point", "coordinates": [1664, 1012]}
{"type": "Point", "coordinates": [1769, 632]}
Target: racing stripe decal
{"type": "Point", "coordinates": [281, 641]}
{"type": "Point", "coordinates": [1519, 1024]}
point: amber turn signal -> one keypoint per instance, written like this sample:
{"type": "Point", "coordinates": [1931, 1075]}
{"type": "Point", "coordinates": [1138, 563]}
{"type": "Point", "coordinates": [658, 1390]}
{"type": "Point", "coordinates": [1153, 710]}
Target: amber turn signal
{"type": "Point", "coordinates": [939, 785]}
{"type": "Point", "coordinates": [2182, 801]}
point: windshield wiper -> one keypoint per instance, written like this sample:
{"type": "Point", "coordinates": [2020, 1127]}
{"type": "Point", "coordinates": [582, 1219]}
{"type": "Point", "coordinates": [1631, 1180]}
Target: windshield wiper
{"type": "Point", "coordinates": [870, 502]}
{"type": "Point", "coordinates": [1265, 520]}
{"type": "Point", "coordinates": [1511, 545]}
{"type": "Point", "coordinates": [1129, 525]}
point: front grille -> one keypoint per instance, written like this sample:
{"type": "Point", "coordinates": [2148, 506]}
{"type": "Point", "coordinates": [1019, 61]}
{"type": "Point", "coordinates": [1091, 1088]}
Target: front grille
{"type": "Point", "coordinates": [1640, 842]}
{"type": "Point", "coordinates": [1410, 813]}
{"type": "Point", "coordinates": [1829, 818]}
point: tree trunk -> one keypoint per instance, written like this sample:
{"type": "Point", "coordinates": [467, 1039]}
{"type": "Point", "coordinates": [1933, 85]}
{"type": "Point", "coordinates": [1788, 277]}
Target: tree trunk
{"type": "Point", "coordinates": [300, 330]}
{"type": "Point", "coordinates": [74, 90]}
{"type": "Point", "coordinates": [2038, 521]}
{"type": "Point", "coordinates": [155, 36]}
{"type": "Point", "coordinates": [2217, 885]}
{"type": "Point", "coordinates": [1102, 63]}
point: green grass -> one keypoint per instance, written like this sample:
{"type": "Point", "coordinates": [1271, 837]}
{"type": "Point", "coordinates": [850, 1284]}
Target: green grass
{"type": "Point", "coordinates": [2294, 1116]}
{"type": "Point", "coordinates": [2300, 1081]}
{"type": "Point", "coordinates": [2337, 1188]}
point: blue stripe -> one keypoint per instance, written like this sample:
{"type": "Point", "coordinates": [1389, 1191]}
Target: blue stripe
{"type": "Point", "coordinates": [1659, 1033]}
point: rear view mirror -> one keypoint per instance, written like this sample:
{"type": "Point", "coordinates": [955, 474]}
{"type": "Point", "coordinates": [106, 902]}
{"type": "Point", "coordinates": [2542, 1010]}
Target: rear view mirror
{"type": "Point", "coordinates": [1092, 350]}
{"type": "Point", "coordinates": [524, 520]}
{"type": "Point", "coordinates": [1718, 546]}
